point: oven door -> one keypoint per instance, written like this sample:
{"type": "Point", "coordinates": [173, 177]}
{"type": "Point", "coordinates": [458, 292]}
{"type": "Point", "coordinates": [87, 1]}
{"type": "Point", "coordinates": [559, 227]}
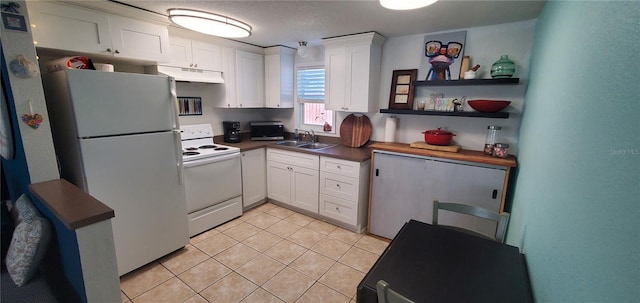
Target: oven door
{"type": "Point", "coordinates": [213, 180]}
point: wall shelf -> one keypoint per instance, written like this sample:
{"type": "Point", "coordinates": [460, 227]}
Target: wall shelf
{"type": "Point", "coordinates": [467, 82]}
{"type": "Point", "coordinates": [498, 115]}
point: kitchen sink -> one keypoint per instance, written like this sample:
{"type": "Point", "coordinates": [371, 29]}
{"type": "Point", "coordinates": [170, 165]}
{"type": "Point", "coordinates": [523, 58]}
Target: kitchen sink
{"type": "Point", "coordinates": [305, 145]}
{"type": "Point", "coordinates": [291, 143]}
{"type": "Point", "coordinates": [316, 145]}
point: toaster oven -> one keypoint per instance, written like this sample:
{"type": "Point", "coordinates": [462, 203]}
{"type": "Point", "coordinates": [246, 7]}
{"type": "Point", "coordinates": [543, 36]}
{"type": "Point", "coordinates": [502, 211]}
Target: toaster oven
{"type": "Point", "coordinates": [267, 130]}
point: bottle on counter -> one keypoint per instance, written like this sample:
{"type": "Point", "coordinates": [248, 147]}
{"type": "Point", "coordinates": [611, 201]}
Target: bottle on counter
{"type": "Point", "coordinates": [493, 134]}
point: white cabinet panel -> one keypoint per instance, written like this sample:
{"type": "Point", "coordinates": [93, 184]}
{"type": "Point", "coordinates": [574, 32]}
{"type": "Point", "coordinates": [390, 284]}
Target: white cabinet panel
{"type": "Point", "coordinates": [68, 27]}
{"type": "Point", "coordinates": [249, 79]}
{"type": "Point", "coordinates": [352, 67]}
{"type": "Point", "coordinates": [340, 167]}
{"type": "Point", "coordinates": [279, 182]}
{"type": "Point", "coordinates": [469, 184]}
{"type": "Point", "coordinates": [339, 186]}
{"type": "Point", "coordinates": [278, 77]}
{"type": "Point", "coordinates": [305, 188]}
{"type": "Point", "coordinates": [206, 56]}
{"type": "Point", "coordinates": [404, 187]}
{"type": "Point", "coordinates": [181, 54]}
{"type": "Point", "coordinates": [254, 177]}
{"type": "Point", "coordinates": [139, 40]}
{"type": "Point", "coordinates": [339, 209]}
{"type": "Point", "coordinates": [396, 193]}
{"type": "Point", "coordinates": [293, 178]}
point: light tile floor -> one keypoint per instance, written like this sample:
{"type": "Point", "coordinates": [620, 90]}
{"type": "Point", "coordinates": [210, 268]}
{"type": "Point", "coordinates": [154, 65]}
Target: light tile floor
{"type": "Point", "coordinates": [270, 254]}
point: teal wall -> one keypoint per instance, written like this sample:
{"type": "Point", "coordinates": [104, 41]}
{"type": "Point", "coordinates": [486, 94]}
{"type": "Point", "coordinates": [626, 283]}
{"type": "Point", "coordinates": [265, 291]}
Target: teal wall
{"type": "Point", "coordinates": [576, 211]}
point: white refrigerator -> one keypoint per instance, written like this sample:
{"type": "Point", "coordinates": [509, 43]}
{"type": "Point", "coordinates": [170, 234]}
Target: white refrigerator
{"type": "Point", "coordinates": [117, 137]}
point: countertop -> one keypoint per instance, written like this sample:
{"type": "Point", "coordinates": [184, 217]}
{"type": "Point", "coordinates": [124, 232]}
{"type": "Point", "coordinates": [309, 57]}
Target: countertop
{"type": "Point", "coordinates": [362, 154]}
{"type": "Point", "coordinates": [462, 155]}
{"type": "Point", "coordinates": [340, 151]}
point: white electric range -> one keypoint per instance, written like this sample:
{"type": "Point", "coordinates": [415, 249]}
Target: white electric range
{"type": "Point", "coordinates": [212, 177]}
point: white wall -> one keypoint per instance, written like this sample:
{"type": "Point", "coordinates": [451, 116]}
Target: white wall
{"type": "Point", "coordinates": [484, 45]}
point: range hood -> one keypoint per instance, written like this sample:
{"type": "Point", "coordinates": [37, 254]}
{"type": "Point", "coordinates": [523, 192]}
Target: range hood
{"type": "Point", "coordinates": [186, 74]}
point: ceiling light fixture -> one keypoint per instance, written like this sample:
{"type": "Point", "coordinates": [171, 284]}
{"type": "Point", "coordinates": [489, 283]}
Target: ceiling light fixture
{"type": "Point", "coordinates": [209, 23]}
{"type": "Point", "coordinates": [405, 4]}
{"type": "Point", "coordinates": [303, 50]}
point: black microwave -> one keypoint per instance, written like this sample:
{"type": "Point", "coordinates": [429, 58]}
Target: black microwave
{"type": "Point", "coordinates": [267, 130]}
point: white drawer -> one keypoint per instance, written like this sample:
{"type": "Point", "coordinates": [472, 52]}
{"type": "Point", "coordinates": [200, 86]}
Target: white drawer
{"type": "Point", "coordinates": [339, 186]}
{"type": "Point", "coordinates": [293, 158]}
{"type": "Point", "coordinates": [341, 167]}
{"type": "Point", "coordinates": [338, 209]}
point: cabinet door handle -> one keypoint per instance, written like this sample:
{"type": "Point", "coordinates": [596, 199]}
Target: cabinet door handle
{"type": "Point", "coordinates": [117, 51]}
{"type": "Point", "coordinates": [495, 194]}
{"type": "Point", "coordinates": [377, 172]}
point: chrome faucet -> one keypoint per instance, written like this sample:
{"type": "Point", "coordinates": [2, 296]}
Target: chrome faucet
{"type": "Point", "coordinates": [312, 135]}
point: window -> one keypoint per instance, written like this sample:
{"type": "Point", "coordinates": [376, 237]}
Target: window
{"type": "Point", "coordinates": [310, 88]}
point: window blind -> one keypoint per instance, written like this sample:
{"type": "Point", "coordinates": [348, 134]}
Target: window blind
{"type": "Point", "coordinates": [310, 85]}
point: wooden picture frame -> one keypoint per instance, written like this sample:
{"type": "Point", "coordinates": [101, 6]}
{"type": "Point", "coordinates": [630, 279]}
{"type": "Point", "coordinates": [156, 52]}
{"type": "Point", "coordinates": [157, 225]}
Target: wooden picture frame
{"type": "Point", "coordinates": [402, 89]}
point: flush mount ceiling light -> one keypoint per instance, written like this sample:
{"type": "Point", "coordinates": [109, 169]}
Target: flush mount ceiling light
{"type": "Point", "coordinates": [208, 23]}
{"type": "Point", "coordinates": [405, 4]}
{"type": "Point", "coordinates": [303, 50]}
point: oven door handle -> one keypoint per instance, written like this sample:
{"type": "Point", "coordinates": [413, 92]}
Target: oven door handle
{"type": "Point", "coordinates": [211, 160]}
{"type": "Point", "coordinates": [178, 146]}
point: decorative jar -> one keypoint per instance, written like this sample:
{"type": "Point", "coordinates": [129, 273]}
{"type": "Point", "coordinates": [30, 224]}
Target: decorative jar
{"type": "Point", "coordinates": [503, 68]}
{"type": "Point", "coordinates": [501, 150]}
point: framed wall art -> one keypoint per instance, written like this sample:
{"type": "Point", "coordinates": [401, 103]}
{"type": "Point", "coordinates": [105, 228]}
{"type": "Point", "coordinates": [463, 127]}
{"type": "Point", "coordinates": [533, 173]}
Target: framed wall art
{"type": "Point", "coordinates": [190, 106]}
{"type": "Point", "coordinates": [402, 89]}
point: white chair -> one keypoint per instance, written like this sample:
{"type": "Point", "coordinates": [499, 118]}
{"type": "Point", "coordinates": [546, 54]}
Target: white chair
{"type": "Point", "coordinates": [388, 295]}
{"type": "Point", "coordinates": [501, 218]}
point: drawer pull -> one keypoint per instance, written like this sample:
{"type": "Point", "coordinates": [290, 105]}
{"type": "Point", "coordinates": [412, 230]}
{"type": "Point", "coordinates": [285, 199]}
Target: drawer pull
{"type": "Point", "coordinates": [338, 185]}
{"type": "Point", "coordinates": [337, 209]}
{"type": "Point", "coordinates": [339, 167]}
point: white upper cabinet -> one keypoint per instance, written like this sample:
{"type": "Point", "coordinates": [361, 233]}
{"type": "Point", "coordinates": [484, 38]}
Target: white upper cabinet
{"type": "Point", "coordinates": [278, 77]}
{"type": "Point", "coordinates": [352, 67]}
{"type": "Point", "coordinates": [249, 79]}
{"type": "Point", "coordinates": [195, 54]}
{"type": "Point", "coordinates": [243, 74]}
{"type": "Point", "coordinates": [66, 27]}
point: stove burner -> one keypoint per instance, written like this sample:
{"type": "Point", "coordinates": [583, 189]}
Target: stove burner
{"type": "Point", "coordinates": [207, 146]}
{"type": "Point", "coordinates": [221, 148]}
{"type": "Point", "coordinates": [190, 153]}
{"type": "Point", "coordinates": [191, 148]}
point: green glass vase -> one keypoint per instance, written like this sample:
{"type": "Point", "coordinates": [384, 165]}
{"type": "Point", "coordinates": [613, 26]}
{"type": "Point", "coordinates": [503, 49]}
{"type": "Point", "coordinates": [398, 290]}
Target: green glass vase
{"type": "Point", "coordinates": [503, 68]}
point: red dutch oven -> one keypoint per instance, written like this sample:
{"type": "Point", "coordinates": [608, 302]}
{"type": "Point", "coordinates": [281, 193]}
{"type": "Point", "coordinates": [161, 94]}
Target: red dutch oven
{"type": "Point", "coordinates": [438, 136]}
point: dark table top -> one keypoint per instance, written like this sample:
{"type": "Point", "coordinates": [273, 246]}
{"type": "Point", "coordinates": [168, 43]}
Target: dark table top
{"type": "Point", "coordinates": [429, 263]}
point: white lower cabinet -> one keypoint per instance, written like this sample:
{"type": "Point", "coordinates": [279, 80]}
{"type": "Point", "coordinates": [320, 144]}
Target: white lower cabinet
{"type": "Point", "coordinates": [344, 191]}
{"type": "Point", "coordinates": [254, 177]}
{"type": "Point", "coordinates": [292, 178]}
{"type": "Point", "coordinates": [335, 189]}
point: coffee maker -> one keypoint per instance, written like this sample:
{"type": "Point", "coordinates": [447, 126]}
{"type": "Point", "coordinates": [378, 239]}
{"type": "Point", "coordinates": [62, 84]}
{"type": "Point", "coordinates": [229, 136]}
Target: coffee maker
{"type": "Point", "coordinates": [231, 131]}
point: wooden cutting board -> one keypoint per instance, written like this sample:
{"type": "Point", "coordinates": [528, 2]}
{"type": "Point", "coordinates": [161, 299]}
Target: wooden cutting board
{"type": "Point", "coordinates": [424, 145]}
{"type": "Point", "coordinates": [355, 131]}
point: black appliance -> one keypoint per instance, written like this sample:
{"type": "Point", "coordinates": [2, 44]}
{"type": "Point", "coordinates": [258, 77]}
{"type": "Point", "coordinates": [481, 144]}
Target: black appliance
{"type": "Point", "coordinates": [231, 131]}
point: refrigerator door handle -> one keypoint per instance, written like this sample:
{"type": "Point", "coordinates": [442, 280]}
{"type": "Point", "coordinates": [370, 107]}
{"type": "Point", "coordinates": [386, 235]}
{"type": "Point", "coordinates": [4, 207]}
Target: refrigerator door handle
{"type": "Point", "coordinates": [178, 147]}
{"type": "Point", "coordinates": [174, 99]}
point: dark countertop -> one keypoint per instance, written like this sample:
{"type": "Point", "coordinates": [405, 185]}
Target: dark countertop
{"type": "Point", "coordinates": [339, 151]}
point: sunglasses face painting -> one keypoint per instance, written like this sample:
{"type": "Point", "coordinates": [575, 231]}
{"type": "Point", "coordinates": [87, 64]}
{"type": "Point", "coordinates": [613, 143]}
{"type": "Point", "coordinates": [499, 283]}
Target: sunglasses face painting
{"type": "Point", "coordinates": [435, 48]}
{"type": "Point", "coordinates": [441, 56]}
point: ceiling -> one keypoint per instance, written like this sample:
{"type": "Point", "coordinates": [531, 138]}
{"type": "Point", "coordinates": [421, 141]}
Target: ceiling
{"type": "Point", "coordinates": [287, 22]}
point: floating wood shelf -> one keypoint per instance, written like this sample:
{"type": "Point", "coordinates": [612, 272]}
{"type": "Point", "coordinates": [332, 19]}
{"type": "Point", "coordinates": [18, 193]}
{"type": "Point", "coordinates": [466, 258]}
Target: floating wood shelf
{"type": "Point", "coordinates": [499, 115]}
{"type": "Point", "coordinates": [467, 82]}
